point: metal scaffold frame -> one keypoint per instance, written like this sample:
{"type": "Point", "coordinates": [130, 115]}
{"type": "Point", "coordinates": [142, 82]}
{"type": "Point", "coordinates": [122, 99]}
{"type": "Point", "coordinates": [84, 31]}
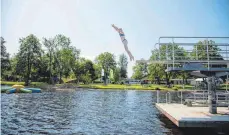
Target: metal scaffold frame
{"type": "Point", "coordinates": [213, 63]}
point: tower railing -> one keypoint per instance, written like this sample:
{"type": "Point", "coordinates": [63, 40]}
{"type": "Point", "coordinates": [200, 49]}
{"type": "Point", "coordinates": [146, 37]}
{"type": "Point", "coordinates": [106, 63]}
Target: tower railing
{"type": "Point", "coordinates": [175, 54]}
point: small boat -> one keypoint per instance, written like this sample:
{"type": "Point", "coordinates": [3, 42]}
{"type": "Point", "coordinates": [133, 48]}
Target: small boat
{"type": "Point", "coordinates": [23, 90]}
{"type": "Point", "coordinates": [34, 90]}
{"type": "Point", "coordinates": [12, 90]}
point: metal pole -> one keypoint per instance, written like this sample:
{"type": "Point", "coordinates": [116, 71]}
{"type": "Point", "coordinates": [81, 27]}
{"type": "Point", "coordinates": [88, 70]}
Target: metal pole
{"type": "Point", "coordinates": [208, 54]}
{"type": "Point", "coordinates": [173, 52]}
{"type": "Point", "coordinates": [227, 81]}
{"type": "Point", "coordinates": [167, 55]}
{"type": "Point", "coordinates": [159, 48]}
{"type": "Point", "coordinates": [212, 96]}
{"type": "Point", "coordinates": [196, 53]}
{"type": "Point", "coordinates": [181, 96]}
{"type": "Point", "coordinates": [191, 37]}
{"type": "Point", "coordinates": [226, 53]}
{"type": "Point", "coordinates": [158, 97]}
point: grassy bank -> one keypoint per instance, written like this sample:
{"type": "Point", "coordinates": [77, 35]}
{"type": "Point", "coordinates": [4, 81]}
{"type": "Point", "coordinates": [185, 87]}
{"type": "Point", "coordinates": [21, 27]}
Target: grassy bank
{"type": "Point", "coordinates": [101, 86]}
{"type": "Point", "coordinates": [110, 86]}
{"type": "Point", "coordinates": [33, 84]}
{"type": "Point", "coordinates": [134, 87]}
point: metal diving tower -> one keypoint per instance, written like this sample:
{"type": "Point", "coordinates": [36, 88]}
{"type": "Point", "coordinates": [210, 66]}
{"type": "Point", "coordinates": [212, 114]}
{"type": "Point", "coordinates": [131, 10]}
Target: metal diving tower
{"type": "Point", "coordinates": [200, 56]}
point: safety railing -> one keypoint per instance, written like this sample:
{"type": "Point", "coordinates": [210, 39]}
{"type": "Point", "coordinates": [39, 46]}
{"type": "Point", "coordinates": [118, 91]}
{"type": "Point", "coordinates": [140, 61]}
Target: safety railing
{"type": "Point", "coordinates": [222, 98]}
{"type": "Point", "coordinates": [205, 52]}
{"type": "Point", "coordinates": [180, 96]}
{"type": "Point", "coordinates": [168, 97]}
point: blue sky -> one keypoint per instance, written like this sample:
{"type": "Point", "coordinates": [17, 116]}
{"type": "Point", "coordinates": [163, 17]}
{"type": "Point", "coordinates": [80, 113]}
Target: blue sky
{"type": "Point", "coordinates": [88, 22]}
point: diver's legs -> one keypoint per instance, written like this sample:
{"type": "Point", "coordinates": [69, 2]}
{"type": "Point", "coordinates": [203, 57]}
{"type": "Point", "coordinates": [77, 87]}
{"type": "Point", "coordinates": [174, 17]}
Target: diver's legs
{"type": "Point", "coordinates": [127, 50]}
{"type": "Point", "coordinates": [130, 55]}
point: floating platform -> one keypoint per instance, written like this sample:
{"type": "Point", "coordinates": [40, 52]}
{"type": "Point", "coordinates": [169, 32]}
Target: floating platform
{"type": "Point", "coordinates": [185, 117]}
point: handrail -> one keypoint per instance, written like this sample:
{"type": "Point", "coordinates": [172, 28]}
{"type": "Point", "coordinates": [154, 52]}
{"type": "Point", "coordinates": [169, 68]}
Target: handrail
{"type": "Point", "coordinates": [181, 96]}
{"type": "Point", "coordinates": [220, 97]}
{"type": "Point", "coordinates": [227, 81]}
{"type": "Point", "coordinates": [168, 93]}
{"type": "Point", "coordinates": [188, 37]}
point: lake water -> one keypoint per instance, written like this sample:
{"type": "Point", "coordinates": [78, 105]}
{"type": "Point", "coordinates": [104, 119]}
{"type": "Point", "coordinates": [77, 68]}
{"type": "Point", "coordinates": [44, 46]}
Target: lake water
{"type": "Point", "coordinates": [88, 112]}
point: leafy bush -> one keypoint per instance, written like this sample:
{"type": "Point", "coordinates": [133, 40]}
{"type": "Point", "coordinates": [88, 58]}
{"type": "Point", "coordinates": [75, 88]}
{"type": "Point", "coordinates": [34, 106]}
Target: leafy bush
{"type": "Point", "coordinates": [97, 81]}
{"type": "Point", "coordinates": [175, 88]}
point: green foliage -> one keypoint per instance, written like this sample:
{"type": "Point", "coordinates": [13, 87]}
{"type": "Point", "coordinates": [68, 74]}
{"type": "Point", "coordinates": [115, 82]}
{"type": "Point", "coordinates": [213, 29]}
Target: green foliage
{"type": "Point", "coordinates": [29, 55]}
{"type": "Point", "coordinates": [5, 62]}
{"type": "Point", "coordinates": [49, 44]}
{"type": "Point", "coordinates": [86, 78]}
{"type": "Point", "coordinates": [200, 51]}
{"type": "Point", "coordinates": [78, 68]}
{"type": "Point", "coordinates": [117, 75]}
{"type": "Point", "coordinates": [123, 65]}
{"type": "Point", "coordinates": [158, 70]}
{"type": "Point", "coordinates": [63, 55]}
{"type": "Point", "coordinates": [106, 61]}
{"type": "Point", "coordinates": [89, 68]}
{"type": "Point", "coordinates": [140, 70]}
{"type": "Point", "coordinates": [97, 71]}
{"type": "Point", "coordinates": [22, 83]}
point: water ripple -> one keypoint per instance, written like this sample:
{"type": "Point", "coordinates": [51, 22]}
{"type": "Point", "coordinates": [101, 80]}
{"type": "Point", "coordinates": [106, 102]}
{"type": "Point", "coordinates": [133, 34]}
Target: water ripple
{"type": "Point", "coordinates": [83, 112]}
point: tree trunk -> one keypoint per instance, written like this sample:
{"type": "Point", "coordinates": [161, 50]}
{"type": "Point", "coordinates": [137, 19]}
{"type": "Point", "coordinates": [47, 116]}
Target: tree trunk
{"type": "Point", "coordinates": [105, 78]}
{"type": "Point", "coordinates": [60, 78]}
{"type": "Point", "coordinates": [28, 71]}
{"type": "Point", "coordinates": [50, 69]}
{"type": "Point", "coordinates": [78, 79]}
{"type": "Point", "coordinates": [167, 78]}
{"type": "Point", "coordinates": [183, 77]}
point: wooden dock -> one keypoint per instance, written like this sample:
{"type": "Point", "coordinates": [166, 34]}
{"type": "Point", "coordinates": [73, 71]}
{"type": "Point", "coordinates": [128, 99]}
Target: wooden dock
{"type": "Point", "coordinates": [184, 116]}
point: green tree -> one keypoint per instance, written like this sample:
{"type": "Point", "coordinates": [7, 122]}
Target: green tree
{"type": "Point", "coordinates": [13, 64]}
{"type": "Point", "coordinates": [5, 62]}
{"type": "Point", "coordinates": [78, 68]}
{"type": "Point", "coordinates": [75, 63]}
{"type": "Point", "coordinates": [200, 52]}
{"type": "Point", "coordinates": [166, 53]}
{"type": "Point", "coordinates": [62, 54]}
{"type": "Point", "coordinates": [42, 70]}
{"type": "Point", "coordinates": [86, 78]}
{"type": "Point", "coordinates": [140, 70]}
{"type": "Point", "coordinates": [29, 54]}
{"type": "Point", "coordinates": [98, 71]}
{"type": "Point", "coordinates": [106, 61]}
{"type": "Point", "coordinates": [116, 73]}
{"type": "Point", "coordinates": [50, 45]}
{"type": "Point", "coordinates": [89, 67]}
{"type": "Point", "coordinates": [123, 62]}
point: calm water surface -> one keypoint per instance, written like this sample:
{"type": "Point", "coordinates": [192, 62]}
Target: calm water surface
{"type": "Point", "coordinates": [86, 112]}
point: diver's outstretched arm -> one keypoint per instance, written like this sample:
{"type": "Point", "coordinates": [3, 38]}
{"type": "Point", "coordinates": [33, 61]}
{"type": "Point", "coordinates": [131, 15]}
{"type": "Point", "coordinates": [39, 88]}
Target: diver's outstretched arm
{"type": "Point", "coordinates": [116, 28]}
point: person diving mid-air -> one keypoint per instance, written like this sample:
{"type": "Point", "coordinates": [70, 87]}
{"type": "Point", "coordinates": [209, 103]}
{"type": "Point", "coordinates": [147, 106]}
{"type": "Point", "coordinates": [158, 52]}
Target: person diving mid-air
{"type": "Point", "coordinates": [124, 41]}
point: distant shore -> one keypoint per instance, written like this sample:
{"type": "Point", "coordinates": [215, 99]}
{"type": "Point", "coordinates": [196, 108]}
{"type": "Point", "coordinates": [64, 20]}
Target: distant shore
{"type": "Point", "coordinates": [69, 86]}
{"type": "Point", "coordinates": [63, 86]}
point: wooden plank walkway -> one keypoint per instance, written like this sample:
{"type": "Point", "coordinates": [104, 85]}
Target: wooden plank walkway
{"type": "Point", "coordinates": [184, 116]}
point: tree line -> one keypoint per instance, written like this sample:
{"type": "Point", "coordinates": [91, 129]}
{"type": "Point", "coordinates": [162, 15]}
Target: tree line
{"type": "Point", "coordinates": [52, 59]}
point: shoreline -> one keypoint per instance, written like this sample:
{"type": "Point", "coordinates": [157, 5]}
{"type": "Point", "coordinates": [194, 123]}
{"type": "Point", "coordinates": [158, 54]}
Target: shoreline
{"type": "Point", "coordinates": [73, 86]}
